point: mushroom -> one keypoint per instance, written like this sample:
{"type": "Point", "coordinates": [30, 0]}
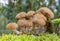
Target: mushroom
{"type": "Point", "coordinates": [29, 25]}
{"type": "Point", "coordinates": [22, 24]}
{"type": "Point", "coordinates": [20, 15]}
{"type": "Point", "coordinates": [39, 21]}
{"type": "Point", "coordinates": [46, 12]}
{"type": "Point", "coordinates": [13, 26]}
{"type": "Point", "coordinates": [25, 25]}
{"type": "Point", "coordinates": [39, 26]}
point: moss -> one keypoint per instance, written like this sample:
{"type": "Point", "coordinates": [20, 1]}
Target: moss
{"type": "Point", "coordinates": [41, 37]}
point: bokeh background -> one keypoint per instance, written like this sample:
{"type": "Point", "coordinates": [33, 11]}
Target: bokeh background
{"type": "Point", "coordinates": [9, 9]}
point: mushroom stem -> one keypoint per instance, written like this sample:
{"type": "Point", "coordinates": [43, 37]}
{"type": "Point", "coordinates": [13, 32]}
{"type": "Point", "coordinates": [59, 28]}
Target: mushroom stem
{"type": "Point", "coordinates": [30, 30]}
{"type": "Point", "coordinates": [23, 30]}
{"type": "Point", "coordinates": [16, 32]}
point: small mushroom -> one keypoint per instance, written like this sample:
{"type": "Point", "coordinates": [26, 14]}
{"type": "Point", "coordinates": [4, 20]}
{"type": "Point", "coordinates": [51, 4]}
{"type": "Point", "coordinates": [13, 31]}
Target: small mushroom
{"type": "Point", "coordinates": [13, 26]}
{"type": "Point", "coordinates": [22, 24]}
{"type": "Point", "coordinates": [29, 26]}
{"type": "Point", "coordinates": [39, 20]}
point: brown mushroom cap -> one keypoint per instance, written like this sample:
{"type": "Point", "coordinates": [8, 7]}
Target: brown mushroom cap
{"type": "Point", "coordinates": [21, 22]}
{"type": "Point", "coordinates": [46, 11]}
{"type": "Point", "coordinates": [39, 16]}
{"type": "Point", "coordinates": [30, 13]}
{"type": "Point", "coordinates": [20, 15]}
{"type": "Point", "coordinates": [40, 22]}
{"type": "Point", "coordinates": [39, 19]}
{"type": "Point", "coordinates": [12, 26]}
{"type": "Point", "coordinates": [25, 23]}
{"type": "Point", "coordinates": [29, 23]}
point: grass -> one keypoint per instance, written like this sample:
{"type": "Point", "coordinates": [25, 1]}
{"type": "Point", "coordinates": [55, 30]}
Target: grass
{"type": "Point", "coordinates": [41, 37]}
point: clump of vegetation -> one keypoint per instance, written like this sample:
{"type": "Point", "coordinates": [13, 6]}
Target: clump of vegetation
{"type": "Point", "coordinates": [56, 25]}
{"type": "Point", "coordinates": [56, 21]}
{"type": "Point", "coordinates": [41, 37]}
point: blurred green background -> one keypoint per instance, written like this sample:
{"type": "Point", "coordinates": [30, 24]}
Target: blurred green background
{"type": "Point", "coordinates": [9, 11]}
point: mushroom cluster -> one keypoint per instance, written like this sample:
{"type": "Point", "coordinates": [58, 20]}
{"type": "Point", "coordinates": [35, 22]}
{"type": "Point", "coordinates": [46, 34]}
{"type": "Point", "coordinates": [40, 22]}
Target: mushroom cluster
{"type": "Point", "coordinates": [32, 21]}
